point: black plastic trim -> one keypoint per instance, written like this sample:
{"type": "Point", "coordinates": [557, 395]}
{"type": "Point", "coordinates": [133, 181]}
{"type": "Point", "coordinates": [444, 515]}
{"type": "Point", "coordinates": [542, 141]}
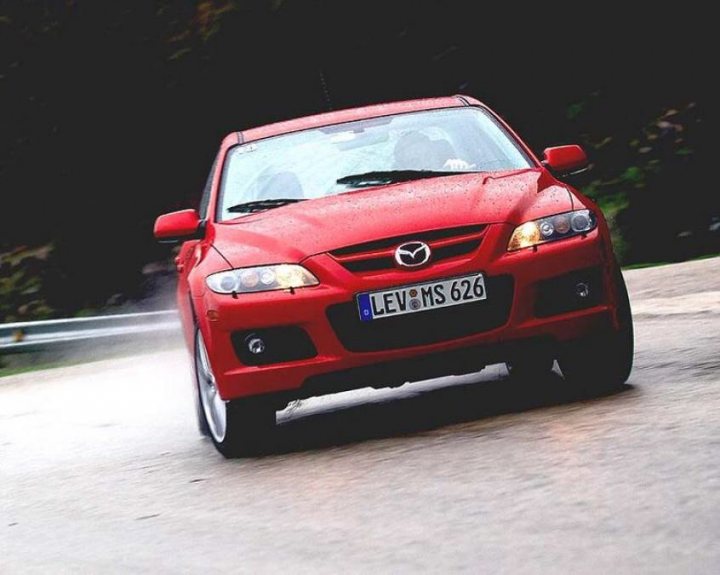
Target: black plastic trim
{"type": "Point", "coordinates": [288, 343]}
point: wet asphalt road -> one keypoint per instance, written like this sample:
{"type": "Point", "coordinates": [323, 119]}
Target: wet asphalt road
{"type": "Point", "coordinates": [101, 469]}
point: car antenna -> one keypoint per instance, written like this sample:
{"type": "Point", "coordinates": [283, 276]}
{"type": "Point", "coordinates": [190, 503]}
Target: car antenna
{"type": "Point", "coordinates": [326, 91]}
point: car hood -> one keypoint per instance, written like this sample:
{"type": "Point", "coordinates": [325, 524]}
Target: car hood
{"type": "Point", "coordinates": [293, 232]}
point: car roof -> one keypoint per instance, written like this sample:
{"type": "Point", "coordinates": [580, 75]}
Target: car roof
{"type": "Point", "coordinates": [353, 114]}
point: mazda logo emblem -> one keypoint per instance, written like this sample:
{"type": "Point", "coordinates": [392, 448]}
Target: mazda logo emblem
{"type": "Point", "coordinates": [412, 254]}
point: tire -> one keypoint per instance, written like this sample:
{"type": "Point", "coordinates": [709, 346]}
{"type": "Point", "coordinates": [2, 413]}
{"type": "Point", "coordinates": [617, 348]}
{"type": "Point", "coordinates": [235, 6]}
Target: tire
{"type": "Point", "coordinates": [237, 428]}
{"type": "Point", "coordinates": [202, 424]}
{"type": "Point", "coordinates": [603, 361]}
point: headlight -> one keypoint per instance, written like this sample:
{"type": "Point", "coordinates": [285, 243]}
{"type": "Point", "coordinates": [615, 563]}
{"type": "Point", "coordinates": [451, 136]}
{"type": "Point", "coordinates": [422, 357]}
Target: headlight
{"type": "Point", "coordinates": [263, 278]}
{"type": "Point", "coordinates": [551, 228]}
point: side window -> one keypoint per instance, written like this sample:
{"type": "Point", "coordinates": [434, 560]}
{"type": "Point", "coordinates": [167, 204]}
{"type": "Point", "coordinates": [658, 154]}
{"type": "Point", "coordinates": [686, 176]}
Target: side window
{"type": "Point", "coordinates": [205, 200]}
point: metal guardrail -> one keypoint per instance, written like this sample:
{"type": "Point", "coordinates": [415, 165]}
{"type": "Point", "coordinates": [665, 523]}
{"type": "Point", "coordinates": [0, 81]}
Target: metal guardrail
{"type": "Point", "coordinates": [41, 335]}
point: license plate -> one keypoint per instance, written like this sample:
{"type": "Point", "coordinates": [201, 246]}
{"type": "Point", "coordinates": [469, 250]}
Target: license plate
{"type": "Point", "coordinates": [421, 297]}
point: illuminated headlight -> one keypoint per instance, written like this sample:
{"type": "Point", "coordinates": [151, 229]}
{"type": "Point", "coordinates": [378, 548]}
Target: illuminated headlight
{"type": "Point", "coordinates": [551, 228]}
{"type": "Point", "coordinates": [263, 278]}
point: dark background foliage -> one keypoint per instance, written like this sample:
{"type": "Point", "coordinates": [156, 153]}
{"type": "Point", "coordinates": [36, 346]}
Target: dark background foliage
{"type": "Point", "coordinates": [112, 112]}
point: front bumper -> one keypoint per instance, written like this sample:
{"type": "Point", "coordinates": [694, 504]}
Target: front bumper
{"type": "Point", "coordinates": [308, 309]}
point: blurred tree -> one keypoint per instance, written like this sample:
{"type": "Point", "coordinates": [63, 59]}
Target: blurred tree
{"type": "Point", "coordinates": [112, 111]}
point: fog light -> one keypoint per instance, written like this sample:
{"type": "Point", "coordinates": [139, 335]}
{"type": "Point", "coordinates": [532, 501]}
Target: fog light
{"type": "Point", "coordinates": [255, 345]}
{"type": "Point", "coordinates": [582, 290]}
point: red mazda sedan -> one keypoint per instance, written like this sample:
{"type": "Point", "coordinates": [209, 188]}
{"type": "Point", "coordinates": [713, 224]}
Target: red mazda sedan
{"type": "Point", "coordinates": [387, 244]}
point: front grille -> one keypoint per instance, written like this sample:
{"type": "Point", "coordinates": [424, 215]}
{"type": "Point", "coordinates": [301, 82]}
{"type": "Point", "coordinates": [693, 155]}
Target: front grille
{"type": "Point", "coordinates": [424, 327]}
{"type": "Point", "coordinates": [370, 264]}
{"type": "Point", "coordinates": [429, 236]}
{"type": "Point", "coordinates": [379, 254]}
{"type": "Point", "coordinates": [453, 250]}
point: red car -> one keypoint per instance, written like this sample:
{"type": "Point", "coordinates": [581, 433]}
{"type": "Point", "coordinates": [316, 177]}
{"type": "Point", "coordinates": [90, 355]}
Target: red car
{"type": "Point", "coordinates": [385, 244]}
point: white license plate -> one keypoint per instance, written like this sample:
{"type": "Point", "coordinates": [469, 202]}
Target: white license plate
{"type": "Point", "coordinates": [421, 297]}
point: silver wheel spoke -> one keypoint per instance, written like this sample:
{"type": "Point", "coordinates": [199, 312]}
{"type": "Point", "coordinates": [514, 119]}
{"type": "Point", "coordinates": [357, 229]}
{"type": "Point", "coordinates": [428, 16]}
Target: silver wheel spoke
{"type": "Point", "coordinates": [214, 407]}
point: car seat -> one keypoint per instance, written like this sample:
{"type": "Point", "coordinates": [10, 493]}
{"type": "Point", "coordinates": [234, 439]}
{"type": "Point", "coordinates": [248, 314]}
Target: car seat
{"type": "Point", "coordinates": [417, 151]}
{"type": "Point", "coordinates": [282, 185]}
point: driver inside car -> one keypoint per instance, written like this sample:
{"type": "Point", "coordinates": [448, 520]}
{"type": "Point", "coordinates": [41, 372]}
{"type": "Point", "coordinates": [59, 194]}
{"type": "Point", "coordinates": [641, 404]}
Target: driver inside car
{"type": "Point", "coordinates": [417, 151]}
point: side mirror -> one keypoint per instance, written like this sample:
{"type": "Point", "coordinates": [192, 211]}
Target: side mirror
{"type": "Point", "coordinates": [565, 159]}
{"type": "Point", "coordinates": [177, 226]}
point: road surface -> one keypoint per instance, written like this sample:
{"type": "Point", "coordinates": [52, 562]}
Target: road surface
{"type": "Point", "coordinates": [102, 471]}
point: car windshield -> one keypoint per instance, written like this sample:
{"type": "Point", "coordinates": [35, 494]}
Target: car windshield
{"type": "Point", "coordinates": [343, 157]}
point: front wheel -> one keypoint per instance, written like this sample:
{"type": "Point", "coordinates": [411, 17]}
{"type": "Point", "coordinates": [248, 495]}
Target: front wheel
{"type": "Point", "coordinates": [237, 428]}
{"type": "Point", "coordinates": [603, 361]}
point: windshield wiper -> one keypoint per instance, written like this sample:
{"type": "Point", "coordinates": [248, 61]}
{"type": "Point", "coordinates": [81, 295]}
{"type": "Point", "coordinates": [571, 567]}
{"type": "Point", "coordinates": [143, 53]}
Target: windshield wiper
{"type": "Point", "coordinates": [262, 205]}
{"type": "Point", "coordinates": [391, 176]}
